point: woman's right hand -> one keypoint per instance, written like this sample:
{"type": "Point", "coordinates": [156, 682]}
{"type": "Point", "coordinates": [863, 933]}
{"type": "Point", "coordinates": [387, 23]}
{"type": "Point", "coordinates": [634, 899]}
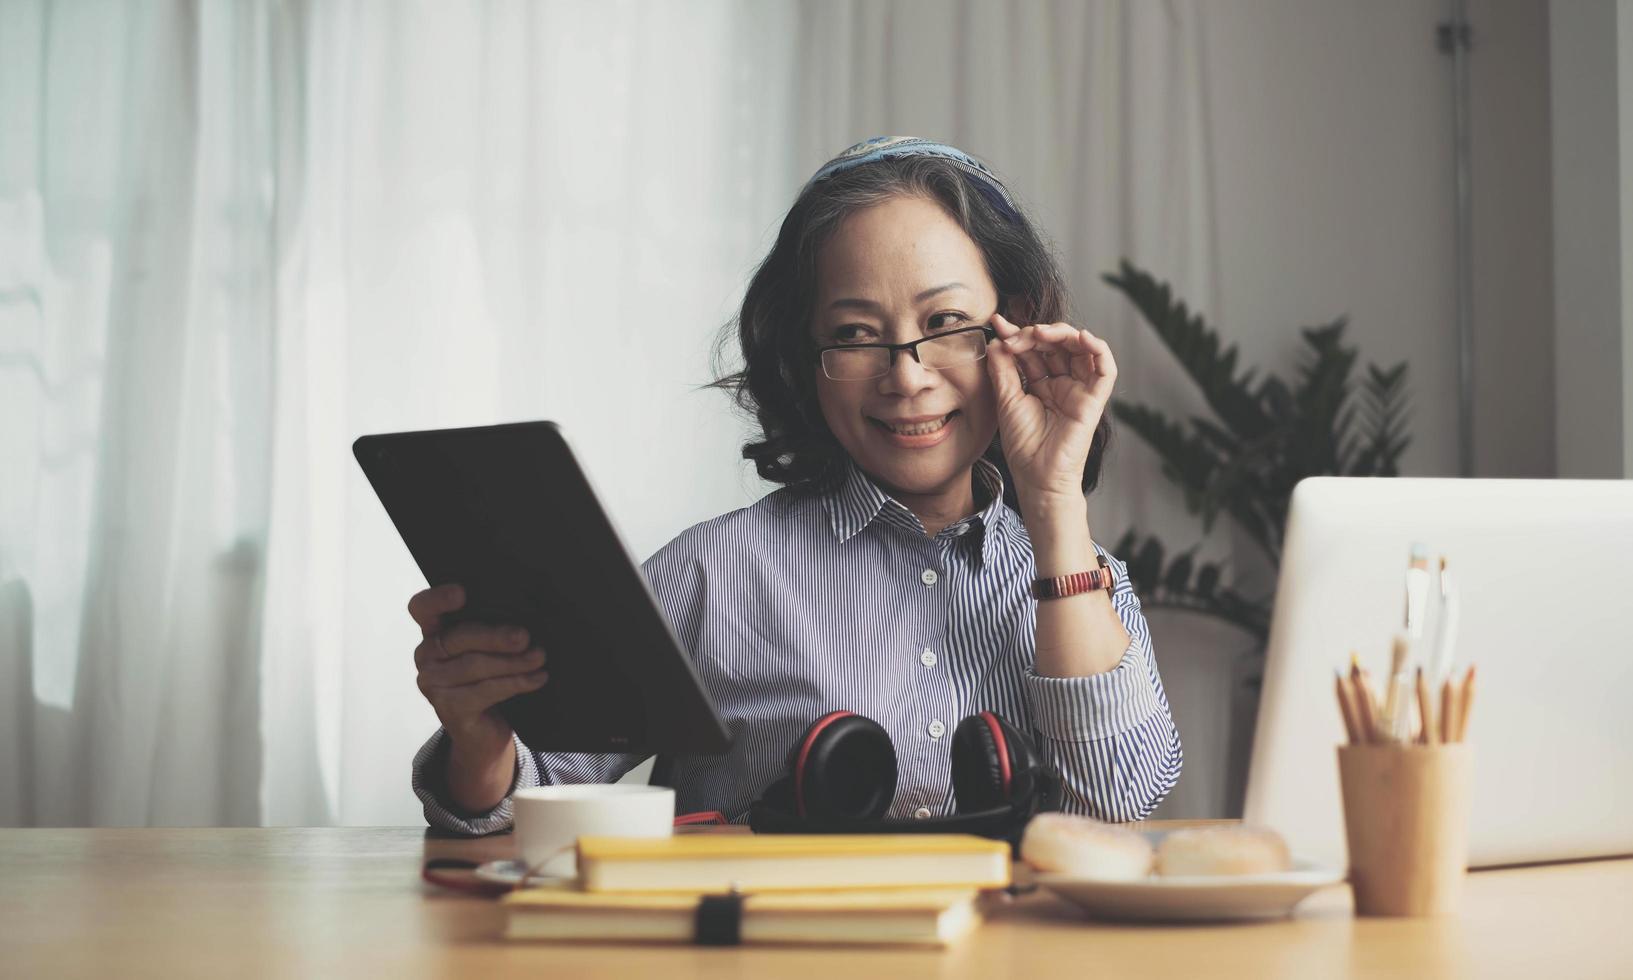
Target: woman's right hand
{"type": "Point", "coordinates": [466, 670]}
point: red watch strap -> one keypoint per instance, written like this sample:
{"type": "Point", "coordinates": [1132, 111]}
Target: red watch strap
{"type": "Point", "coordinates": [1061, 586]}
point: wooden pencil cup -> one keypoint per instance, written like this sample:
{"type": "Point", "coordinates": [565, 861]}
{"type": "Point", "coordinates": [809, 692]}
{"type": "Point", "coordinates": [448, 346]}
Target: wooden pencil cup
{"type": "Point", "coordinates": [1406, 817]}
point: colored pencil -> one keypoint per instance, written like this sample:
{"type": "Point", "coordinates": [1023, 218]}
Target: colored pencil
{"type": "Point", "coordinates": [1366, 706]}
{"type": "Point", "coordinates": [1465, 701]}
{"type": "Point", "coordinates": [1346, 707]}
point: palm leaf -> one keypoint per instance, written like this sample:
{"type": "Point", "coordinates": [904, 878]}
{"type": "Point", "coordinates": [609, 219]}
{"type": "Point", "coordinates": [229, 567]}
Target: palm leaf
{"type": "Point", "coordinates": [1186, 459]}
{"type": "Point", "coordinates": [1198, 349]}
{"type": "Point", "coordinates": [1384, 417]}
{"type": "Point", "coordinates": [1183, 584]}
{"type": "Point", "coordinates": [1264, 437]}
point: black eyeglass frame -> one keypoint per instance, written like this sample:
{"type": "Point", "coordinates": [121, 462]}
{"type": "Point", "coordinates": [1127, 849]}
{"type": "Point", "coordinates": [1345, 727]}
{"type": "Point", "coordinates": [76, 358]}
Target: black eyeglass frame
{"type": "Point", "coordinates": [911, 347]}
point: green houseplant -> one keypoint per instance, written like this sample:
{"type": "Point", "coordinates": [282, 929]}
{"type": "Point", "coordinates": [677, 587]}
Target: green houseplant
{"type": "Point", "coordinates": [1263, 435]}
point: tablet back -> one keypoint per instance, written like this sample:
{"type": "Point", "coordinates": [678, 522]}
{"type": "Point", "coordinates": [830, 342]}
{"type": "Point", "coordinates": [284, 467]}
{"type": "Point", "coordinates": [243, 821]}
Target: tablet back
{"type": "Point", "coordinates": [507, 512]}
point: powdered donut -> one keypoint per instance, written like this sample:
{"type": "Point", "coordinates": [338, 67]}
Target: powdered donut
{"type": "Point", "coordinates": [1235, 850]}
{"type": "Point", "coordinates": [1084, 847]}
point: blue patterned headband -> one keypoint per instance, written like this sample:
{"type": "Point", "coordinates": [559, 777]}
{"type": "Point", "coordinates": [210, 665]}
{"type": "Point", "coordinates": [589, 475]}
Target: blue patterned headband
{"type": "Point", "coordinates": [890, 147]}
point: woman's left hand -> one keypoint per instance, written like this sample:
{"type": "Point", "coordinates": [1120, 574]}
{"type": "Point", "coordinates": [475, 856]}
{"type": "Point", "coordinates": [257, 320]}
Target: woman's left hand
{"type": "Point", "coordinates": [1047, 423]}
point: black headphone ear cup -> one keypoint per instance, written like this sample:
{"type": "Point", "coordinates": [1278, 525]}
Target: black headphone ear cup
{"type": "Point", "coordinates": [993, 764]}
{"type": "Point", "coordinates": [844, 768]}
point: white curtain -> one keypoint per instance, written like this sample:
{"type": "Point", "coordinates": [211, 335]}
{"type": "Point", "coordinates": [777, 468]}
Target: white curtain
{"type": "Point", "coordinates": [235, 236]}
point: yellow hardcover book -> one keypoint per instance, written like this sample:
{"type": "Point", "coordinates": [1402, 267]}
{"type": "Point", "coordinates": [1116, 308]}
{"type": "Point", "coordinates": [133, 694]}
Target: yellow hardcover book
{"type": "Point", "coordinates": [791, 862]}
{"type": "Point", "coordinates": [922, 917]}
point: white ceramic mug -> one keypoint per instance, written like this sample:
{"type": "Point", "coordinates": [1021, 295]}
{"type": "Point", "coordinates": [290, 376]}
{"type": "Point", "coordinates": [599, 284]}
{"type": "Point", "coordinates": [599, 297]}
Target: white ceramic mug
{"type": "Point", "coordinates": [550, 819]}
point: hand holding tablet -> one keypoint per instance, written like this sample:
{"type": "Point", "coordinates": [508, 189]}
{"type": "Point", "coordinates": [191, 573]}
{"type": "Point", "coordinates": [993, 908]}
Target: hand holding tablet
{"type": "Point", "coordinates": [466, 670]}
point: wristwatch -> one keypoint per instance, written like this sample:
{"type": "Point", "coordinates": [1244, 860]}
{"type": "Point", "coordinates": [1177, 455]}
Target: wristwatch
{"type": "Point", "coordinates": [1061, 586]}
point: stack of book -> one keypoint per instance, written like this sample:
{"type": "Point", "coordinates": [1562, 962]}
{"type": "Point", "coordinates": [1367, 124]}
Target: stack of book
{"type": "Point", "coordinates": [915, 889]}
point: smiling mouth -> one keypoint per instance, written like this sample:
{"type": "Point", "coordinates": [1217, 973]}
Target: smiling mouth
{"type": "Point", "coordinates": [916, 428]}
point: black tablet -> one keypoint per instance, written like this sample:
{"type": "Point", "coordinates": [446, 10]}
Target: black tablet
{"type": "Point", "coordinates": [506, 511]}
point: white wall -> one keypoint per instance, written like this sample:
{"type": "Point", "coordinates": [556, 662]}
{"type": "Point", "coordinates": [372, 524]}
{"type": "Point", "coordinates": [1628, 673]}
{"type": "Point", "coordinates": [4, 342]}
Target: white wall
{"type": "Point", "coordinates": [1514, 290]}
{"type": "Point", "coordinates": [1624, 119]}
{"type": "Point", "coordinates": [1590, 235]}
{"type": "Point", "coordinates": [1331, 127]}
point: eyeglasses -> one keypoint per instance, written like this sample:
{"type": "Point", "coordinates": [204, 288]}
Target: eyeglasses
{"type": "Point", "coordinates": [863, 362]}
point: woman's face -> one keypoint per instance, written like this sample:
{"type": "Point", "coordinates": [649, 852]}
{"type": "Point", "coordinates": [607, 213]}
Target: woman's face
{"type": "Point", "coordinates": [896, 272]}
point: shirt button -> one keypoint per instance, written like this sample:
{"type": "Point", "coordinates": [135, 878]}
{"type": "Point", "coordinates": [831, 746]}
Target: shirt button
{"type": "Point", "coordinates": [928, 657]}
{"type": "Point", "coordinates": [929, 576]}
{"type": "Point", "coordinates": [937, 729]}
{"type": "Point", "coordinates": [922, 813]}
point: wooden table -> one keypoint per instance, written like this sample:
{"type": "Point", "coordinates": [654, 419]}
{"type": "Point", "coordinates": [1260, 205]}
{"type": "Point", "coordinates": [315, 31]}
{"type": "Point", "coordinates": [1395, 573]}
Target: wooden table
{"type": "Point", "coordinates": [315, 902]}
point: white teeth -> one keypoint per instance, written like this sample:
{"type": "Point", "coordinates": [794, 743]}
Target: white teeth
{"type": "Point", "coordinates": [920, 428]}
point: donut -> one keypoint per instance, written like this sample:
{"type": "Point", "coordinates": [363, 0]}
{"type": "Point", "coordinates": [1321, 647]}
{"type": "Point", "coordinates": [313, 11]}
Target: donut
{"type": "Point", "coordinates": [1233, 850]}
{"type": "Point", "coordinates": [1084, 847]}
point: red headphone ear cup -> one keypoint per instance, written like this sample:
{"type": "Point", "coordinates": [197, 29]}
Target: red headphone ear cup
{"type": "Point", "coordinates": [993, 763]}
{"type": "Point", "coordinates": [843, 767]}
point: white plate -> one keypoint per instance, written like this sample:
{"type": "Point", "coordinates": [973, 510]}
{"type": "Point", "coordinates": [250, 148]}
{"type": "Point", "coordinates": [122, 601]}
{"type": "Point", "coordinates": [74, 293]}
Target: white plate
{"type": "Point", "coordinates": [1200, 898]}
{"type": "Point", "coordinates": [510, 872]}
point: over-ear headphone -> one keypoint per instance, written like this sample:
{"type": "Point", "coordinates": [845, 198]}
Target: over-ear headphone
{"type": "Point", "coordinates": [842, 778]}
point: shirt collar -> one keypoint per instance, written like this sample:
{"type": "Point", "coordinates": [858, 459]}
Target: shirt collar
{"type": "Point", "coordinates": [858, 502]}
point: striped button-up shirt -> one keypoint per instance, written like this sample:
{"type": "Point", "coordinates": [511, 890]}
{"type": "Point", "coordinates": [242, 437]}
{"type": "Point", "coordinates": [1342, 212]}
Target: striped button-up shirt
{"type": "Point", "coordinates": [803, 604]}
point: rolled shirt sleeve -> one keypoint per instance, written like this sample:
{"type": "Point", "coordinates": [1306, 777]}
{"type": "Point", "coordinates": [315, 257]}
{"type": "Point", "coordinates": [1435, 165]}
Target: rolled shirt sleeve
{"type": "Point", "coordinates": [430, 780]}
{"type": "Point", "coordinates": [1110, 735]}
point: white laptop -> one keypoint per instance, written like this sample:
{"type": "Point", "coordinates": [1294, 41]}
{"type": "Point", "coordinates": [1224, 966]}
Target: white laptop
{"type": "Point", "coordinates": [1545, 574]}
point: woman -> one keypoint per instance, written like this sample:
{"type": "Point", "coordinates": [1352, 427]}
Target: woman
{"type": "Point", "coordinates": [934, 456]}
